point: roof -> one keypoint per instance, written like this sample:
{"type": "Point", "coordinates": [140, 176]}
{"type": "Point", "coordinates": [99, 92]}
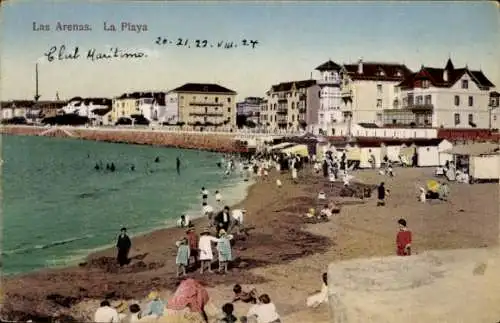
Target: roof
{"type": "Point", "coordinates": [287, 86]}
{"type": "Point", "coordinates": [436, 76]}
{"type": "Point", "coordinates": [377, 142]}
{"type": "Point", "coordinates": [378, 71]}
{"type": "Point", "coordinates": [101, 111]}
{"type": "Point", "coordinates": [328, 66]}
{"type": "Point", "coordinates": [475, 149]}
{"type": "Point", "coordinates": [158, 96]}
{"type": "Point", "coordinates": [494, 94]}
{"type": "Point", "coordinates": [203, 87]}
{"type": "Point", "coordinates": [368, 125]}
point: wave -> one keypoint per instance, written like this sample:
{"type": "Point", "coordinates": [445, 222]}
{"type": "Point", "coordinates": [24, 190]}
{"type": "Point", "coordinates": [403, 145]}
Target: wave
{"type": "Point", "coordinates": [45, 246]}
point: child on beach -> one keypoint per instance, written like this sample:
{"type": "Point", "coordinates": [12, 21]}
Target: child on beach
{"type": "Point", "coordinates": [205, 247]}
{"type": "Point", "coordinates": [218, 196]}
{"type": "Point", "coordinates": [224, 250]}
{"type": "Point", "coordinates": [265, 311]}
{"type": "Point", "coordinates": [192, 238]}
{"type": "Point", "coordinates": [229, 317]}
{"type": "Point", "coordinates": [208, 211]}
{"type": "Point", "coordinates": [245, 297]}
{"type": "Point", "coordinates": [403, 239]}
{"type": "Point", "coordinates": [182, 259]}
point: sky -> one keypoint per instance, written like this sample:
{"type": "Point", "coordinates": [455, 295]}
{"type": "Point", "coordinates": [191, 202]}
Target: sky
{"type": "Point", "coordinates": [293, 39]}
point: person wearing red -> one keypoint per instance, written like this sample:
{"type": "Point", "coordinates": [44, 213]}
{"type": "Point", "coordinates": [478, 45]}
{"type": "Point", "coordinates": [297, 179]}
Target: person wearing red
{"type": "Point", "coordinates": [403, 239]}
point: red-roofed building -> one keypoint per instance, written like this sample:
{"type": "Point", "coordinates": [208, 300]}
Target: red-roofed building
{"type": "Point", "coordinates": [446, 97]}
{"type": "Point", "coordinates": [368, 88]}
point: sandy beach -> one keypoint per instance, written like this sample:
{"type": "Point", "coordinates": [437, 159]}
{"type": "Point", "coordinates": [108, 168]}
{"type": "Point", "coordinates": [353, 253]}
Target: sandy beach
{"type": "Point", "coordinates": [283, 256]}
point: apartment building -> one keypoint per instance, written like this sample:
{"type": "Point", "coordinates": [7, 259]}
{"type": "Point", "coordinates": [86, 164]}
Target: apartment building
{"type": "Point", "coordinates": [446, 97]}
{"type": "Point", "coordinates": [330, 100]}
{"type": "Point", "coordinates": [250, 108]}
{"type": "Point", "coordinates": [291, 105]}
{"type": "Point", "coordinates": [202, 104]}
{"type": "Point", "coordinates": [151, 105]}
{"type": "Point", "coordinates": [368, 88]}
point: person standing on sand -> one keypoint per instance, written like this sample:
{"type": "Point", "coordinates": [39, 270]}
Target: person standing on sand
{"type": "Point", "coordinates": [223, 219]}
{"type": "Point", "coordinates": [123, 245]}
{"type": "Point", "coordinates": [218, 196]}
{"type": "Point", "coordinates": [183, 255]}
{"type": "Point", "coordinates": [403, 239]}
{"type": "Point", "coordinates": [224, 251]}
{"type": "Point", "coordinates": [206, 253]}
{"type": "Point", "coordinates": [381, 194]}
{"type": "Point", "coordinates": [208, 211]}
{"type": "Point", "coordinates": [193, 246]}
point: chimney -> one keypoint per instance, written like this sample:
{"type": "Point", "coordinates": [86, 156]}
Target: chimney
{"type": "Point", "coordinates": [360, 66]}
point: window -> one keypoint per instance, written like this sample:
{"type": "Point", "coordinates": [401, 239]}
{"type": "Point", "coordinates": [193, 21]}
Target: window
{"type": "Point", "coordinates": [494, 118]}
{"type": "Point", "coordinates": [379, 88]}
{"type": "Point", "coordinates": [216, 99]}
{"type": "Point", "coordinates": [465, 84]}
{"type": "Point", "coordinates": [379, 116]}
{"type": "Point", "coordinates": [425, 84]}
{"type": "Point", "coordinates": [228, 100]}
{"type": "Point", "coordinates": [293, 117]}
{"type": "Point", "coordinates": [229, 110]}
{"type": "Point", "coordinates": [457, 119]}
{"type": "Point", "coordinates": [379, 103]}
{"type": "Point", "coordinates": [395, 104]}
{"type": "Point", "coordinates": [419, 99]}
{"type": "Point", "coordinates": [471, 101]}
{"type": "Point", "coordinates": [471, 118]}
{"type": "Point", "coordinates": [457, 100]}
{"type": "Point", "coordinates": [293, 105]}
{"type": "Point", "coordinates": [428, 99]}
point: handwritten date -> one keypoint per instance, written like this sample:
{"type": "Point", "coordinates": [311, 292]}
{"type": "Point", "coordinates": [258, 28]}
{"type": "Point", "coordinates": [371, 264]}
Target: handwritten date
{"type": "Point", "coordinates": [203, 43]}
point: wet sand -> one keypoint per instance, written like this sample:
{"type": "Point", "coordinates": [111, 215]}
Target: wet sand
{"type": "Point", "coordinates": [283, 256]}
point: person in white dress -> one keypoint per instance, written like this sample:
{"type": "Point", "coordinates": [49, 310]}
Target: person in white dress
{"type": "Point", "coordinates": [208, 211]}
{"type": "Point", "coordinates": [206, 253]}
{"type": "Point", "coordinates": [321, 297]}
{"type": "Point", "coordinates": [238, 215]}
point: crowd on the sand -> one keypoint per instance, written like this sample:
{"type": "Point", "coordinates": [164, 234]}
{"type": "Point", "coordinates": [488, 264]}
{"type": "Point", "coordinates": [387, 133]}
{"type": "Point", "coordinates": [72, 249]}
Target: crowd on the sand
{"type": "Point", "coordinates": [225, 228]}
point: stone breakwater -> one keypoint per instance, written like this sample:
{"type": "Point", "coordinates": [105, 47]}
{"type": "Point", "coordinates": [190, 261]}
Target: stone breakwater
{"type": "Point", "coordinates": [218, 142]}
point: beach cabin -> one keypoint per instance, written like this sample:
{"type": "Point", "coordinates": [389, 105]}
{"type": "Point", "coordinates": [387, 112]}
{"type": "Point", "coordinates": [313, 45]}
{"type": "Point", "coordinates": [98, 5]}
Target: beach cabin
{"type": "Point", "coordinates": [481, 160]}
{"type": "Point", "coordinates": [364, 151]}
{"type": "Point", "coordinates": [428, 151]}
{"type": "Point", "coordinates": [300, 150]}
{"type": "Point", "coordinates": [406, 153]}
{"type": "Point", "coordinates": [391, 149]}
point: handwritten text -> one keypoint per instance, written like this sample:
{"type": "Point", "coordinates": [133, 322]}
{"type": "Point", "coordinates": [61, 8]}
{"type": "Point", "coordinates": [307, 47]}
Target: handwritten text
{"type": "Point", "coordinates": [61, 53]}
{"type": "Point", "coordinates": [203, 43]}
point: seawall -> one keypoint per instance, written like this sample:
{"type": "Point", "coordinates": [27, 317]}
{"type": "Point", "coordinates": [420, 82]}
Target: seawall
{"type": "Point", "coordinates": [219, 142]}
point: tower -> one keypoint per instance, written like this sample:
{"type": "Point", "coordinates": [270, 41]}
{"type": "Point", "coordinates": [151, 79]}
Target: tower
{"type": "Point", "coordinates": [37, 96]}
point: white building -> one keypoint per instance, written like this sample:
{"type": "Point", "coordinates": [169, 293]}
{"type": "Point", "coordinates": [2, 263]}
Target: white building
{"type": "Point", "coordinates": [84, 107]}
{"type": "Point", "coordinates": [445, 98]}
{"type": "Point", "coordinates": [171, 115]}
{"type": "Point", "coordinates": [250, 108]}
{"type": "Point", "coordinates": [370, 87]}
{"type": "Point", "coordinates": [330, 101]}
{"type": "Point", "coordinates": [16, 108]}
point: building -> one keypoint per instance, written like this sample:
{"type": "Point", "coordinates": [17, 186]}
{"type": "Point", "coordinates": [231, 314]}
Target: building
{"type": "Point", "coordinates": [494, 110]}
{"type": "Point", "coordinates": [446, 97]}
{"type": "Point", "coordinates": [50, 108]}
{"type": "Point", "coordinates": [250, 108]}
{"type": "Point", "coordinates": [85, 107]}
{"type": "Point", "coordinates": [368, 88]}
{"type": "Point", "coordinates": [291, 105]}
{"type": "Point", "coordinates": [202, 104]}
{"type": "Point", "coordinates": [151, 105]}
{"type": "Point", "coordinates": [17, 108]}
{"type": "Point", "coordinates": [330, 101]}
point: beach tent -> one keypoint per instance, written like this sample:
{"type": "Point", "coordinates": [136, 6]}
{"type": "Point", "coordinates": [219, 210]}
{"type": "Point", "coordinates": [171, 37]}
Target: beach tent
{"type": "Point", "coordinates": [428, 151]}
{"type": "Point", "coordinates": [280, 146]}
{"type": "Point", "coordinates": [483, 160]}
{"type": "Point", "coordinates": [300, 150]}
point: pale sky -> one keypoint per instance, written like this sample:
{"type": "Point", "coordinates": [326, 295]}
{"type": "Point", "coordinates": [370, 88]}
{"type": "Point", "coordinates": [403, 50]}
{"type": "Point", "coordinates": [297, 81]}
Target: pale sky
{"type": "Point", "coordinates": [294, 38]}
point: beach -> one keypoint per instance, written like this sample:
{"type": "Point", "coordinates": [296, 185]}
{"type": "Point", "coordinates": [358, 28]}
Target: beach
{"type": "Point", "coordinates": [283, 256]}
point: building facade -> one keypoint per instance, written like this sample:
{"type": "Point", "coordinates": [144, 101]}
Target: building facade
{"type": "Point", "coordinates": [85, 107]}
{"type": "Point", "coordinates": [291, 105]}
{"type": "Point", "coordinates": [446, 97]}
{"type": "Point", "coordinates": [330, 101]}
{"type": "Point", "coordinates": [368, 88]}
{"type": "Point", "coordinates": [250, 108]}
{"type": "Point", "coordinates": [203, 104]}
{"type": "Point", "coordinates": [151, 105]}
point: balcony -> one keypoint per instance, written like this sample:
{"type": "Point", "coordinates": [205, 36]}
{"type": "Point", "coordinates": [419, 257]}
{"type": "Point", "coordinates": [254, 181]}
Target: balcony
{"type": "Point", "coordinates": [346, 93]}
{"type": "Point", "coordinates": [332, 81]}
{"type": "Point", "coordinates": [302, 110]}
{"type": "Point", "coordinates": [282, 100]}
{"type": "Point", "coordinates": [203, 114]}
{"type": "Point", "coordinates": [207, 104]}
{"type": "Point", "coordinates": [419, 107]}
{"type": "Point", "coordinates": [282, 122]}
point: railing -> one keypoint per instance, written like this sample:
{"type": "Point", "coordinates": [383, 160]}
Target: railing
{"type": "Point", "coordinates": [212, 104]}
{"type": "Point", "coordinates": [282, 111]}
{"type": "Point", "coordinates": [206, 114]}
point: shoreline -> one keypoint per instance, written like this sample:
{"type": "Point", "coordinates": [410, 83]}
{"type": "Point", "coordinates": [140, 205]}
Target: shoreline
{"type": "Point", "coordinates": [153, 263]}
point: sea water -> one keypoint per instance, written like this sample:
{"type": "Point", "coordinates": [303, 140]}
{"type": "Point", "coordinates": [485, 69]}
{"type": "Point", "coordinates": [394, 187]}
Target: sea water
{"type": "Point", "coordinates": [56, 207]}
